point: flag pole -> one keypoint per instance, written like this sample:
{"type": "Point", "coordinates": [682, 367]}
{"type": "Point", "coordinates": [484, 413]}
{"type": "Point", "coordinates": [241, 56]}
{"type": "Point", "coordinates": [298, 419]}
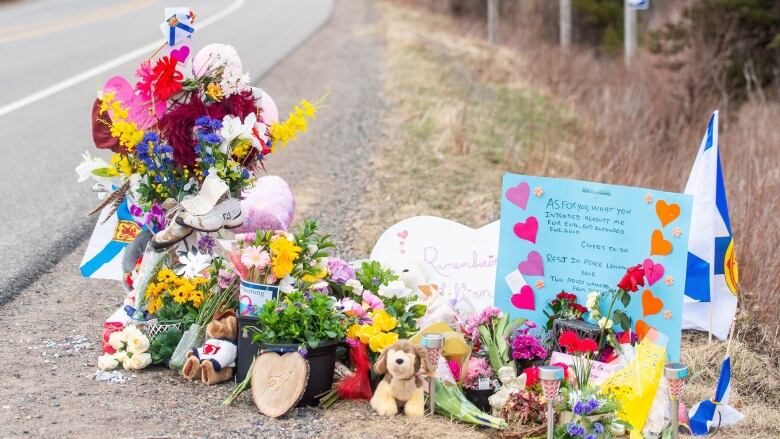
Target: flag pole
{"type": "Point", "coordinates": [709, 341]}
{"type": "Point", "coordinates": [731, 335]}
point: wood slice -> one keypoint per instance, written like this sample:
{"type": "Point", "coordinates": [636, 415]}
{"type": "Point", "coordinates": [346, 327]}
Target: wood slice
{"type": "Point", "coordinates": [278, 382]}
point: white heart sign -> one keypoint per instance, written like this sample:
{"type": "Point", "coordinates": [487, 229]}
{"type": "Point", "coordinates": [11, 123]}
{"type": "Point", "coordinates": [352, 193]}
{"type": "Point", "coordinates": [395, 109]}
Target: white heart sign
{"type": "Point", "coordinates": [459, 259]}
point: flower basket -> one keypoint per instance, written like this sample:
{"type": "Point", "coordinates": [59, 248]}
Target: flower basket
{"type": "Point", "coordinates": [153, 327]}
{"type": "Point", "coordinates": [253, 295]}
{"type": "Point", "coordinates": [581, 328]}
{"type": "Point", "coordinates": [479, 397]}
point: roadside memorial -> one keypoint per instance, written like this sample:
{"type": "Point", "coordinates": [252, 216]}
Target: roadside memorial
{"type": "Point", "coordinates": [559, 317]}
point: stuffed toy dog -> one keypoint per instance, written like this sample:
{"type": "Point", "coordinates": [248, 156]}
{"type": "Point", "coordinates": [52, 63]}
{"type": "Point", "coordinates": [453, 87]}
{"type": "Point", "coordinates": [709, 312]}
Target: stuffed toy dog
{"type": "Point", "coordinates": [215, 361]}
{"type": "Point", "coordinates": [401, 387]}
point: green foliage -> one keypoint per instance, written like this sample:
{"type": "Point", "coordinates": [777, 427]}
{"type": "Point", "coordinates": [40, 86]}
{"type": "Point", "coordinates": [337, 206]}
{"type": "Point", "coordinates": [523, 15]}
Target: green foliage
{"type": "Point", "coordinates": [163, 344]}
{"type": "Point", "coordinates": [600, 22]}
{"type": "Point", "coordinates": [172, 312]}
{"type": "Point", "coordinates": [406, 315]}
{"type": "Point", "coordinates": [372, 276]}
{"type": "Point", "coordinates": [494, 337]}
{"type": "Point", "coordinates": [298, 320]}
{"type": "Point", "coordinates": [729, 46]}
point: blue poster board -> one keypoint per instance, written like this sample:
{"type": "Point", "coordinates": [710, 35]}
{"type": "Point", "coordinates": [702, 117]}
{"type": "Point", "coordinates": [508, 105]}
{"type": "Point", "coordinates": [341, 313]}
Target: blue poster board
{"type": "Point", "coordinates": [576, 236]}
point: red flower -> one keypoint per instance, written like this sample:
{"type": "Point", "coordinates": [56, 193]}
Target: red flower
{"type": "Point", "coordinates": [167, 80]}
{"type": "Point", "coordinates": [531, 376]}
{"type": "Point", "coordinates": [111, 327]}
{"type": "Point", "coordinates": [587, 345]}
{"type": "Point", "coordinates": [567, 296]}
{"type": "Point", "coordinates": [569, 340]}
{"type": "Point", "coordinates": [635, 276]}
{"type": "Point", "coordinates": [579, 308]}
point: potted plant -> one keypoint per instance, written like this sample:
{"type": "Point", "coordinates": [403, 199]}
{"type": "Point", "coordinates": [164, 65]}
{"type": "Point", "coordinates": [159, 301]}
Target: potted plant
{"type": "Point", "coordinates": [587, 411]}
{"type": "Point", "coordinates": [527, 350]}
{"type": "Point", "coordinates": [478, 383]}
{"type": "Point", "coordinates": [308, 323]}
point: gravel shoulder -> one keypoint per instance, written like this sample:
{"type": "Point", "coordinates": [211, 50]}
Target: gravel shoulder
{"type": "Point", "coordinates": [50, 331]}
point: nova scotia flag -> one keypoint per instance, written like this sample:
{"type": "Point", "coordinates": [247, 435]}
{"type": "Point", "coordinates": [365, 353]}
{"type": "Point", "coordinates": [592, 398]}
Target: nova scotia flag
{"type": "Point", "coordinates": [715, 413]}
{"type": "Point", "coordinates": [711, 278]}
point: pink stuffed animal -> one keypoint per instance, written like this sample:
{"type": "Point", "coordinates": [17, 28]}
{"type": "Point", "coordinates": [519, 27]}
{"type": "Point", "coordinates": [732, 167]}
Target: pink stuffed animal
{"type": "Point", "coordinates": [269, 205]}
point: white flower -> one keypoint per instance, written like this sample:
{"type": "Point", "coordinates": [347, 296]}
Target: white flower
{"type": "Point", "coordinates": [117, 340]}
{"type": "Point", "coordinates": [139, 361]}
{"type": "Point", "coordinates": [192, 263]}
{"type": "Point", "coordinates": [321, 285]}
{"type": "Point", "coordinates": [137, 343]}
{"type": "Point", "coordinates": [355, 286]}
{"type": "Point", "coordinates": [130, 331]}
{"type": "Point", "coordinates": [107, 362]}
{"type": "Point", "coordinates": [593, 300]}
{"type": "Point", "coordinates": [89, 164]}
{"type": "Point", "coordinates": [605, 323]}
{"type": "Point", "coordinates": [286, 284]}
{"type": "Point", "coordinates": [121, 356]}
{"type": "Point", "coordinates": [396, 288]}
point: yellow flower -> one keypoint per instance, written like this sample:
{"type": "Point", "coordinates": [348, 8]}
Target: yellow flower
{"type": "Point", "coordinates": [241, 148]}
{"type": "Point", "coordinates": [308, 109]}
{"type": "Point", "coordinates": [154, 305]}
{"type": "Point", "coordinates": [311, 278]}
{"type": "Point", "coordinates": [196, 297]}
{"type": "Point", "coordinates": [379, 342]}
{"type": "Point", "coordinates": [283, 254]}
{"type": "Point", "coordinates": [166, 275]}
{"type": "Point", "coordinates": [180, 295]}
{"type": "Point", "coordinates": [214, 92]}
{"type": "Point", "coordinates": [122, 164]}
{"type": "Point", "coordinates": [366, 332]}
{"type": "Point", "coordinates": [354, 332]}
{"type": "Point", "coordinates": [384, 321]}
{"type": "Point", "coordinates": [154, 290]}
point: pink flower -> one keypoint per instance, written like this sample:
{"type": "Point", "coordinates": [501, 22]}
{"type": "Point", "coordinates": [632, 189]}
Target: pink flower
{"type": "Point", "coordinates": [373, 302]}
{"type": "Point", "coordinates": [352, 308]}
{"type": "Point", "coordinates": [478, 368]}
{"type": "Point", "coordinates": [256, 257]}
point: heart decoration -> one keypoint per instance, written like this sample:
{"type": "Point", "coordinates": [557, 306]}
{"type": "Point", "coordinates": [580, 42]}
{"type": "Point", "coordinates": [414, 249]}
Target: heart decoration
{"type": "Point", "coordinates": [181, 53]}
{"type": "Point", "coordinates": [139, 111]}
{"type": "Point", "coordinates": [533, 266]}
{"type": "Point", "coordinates": [641, 328]}
{"type": "Point", "coordinates": [528, 229]}
{"type": "Point", "coordinates": [524, 299]}
{"type": "Point", "coordinates": [653, 271]}
{"type": "Point", "coordinates": [403, 234]}
{"type": "Point", "coordinates": [651, 304]}
{"type": "Point", "coordinates": [518, 195]}
{"type": "Point", "coordinates": [658, 245]}
{"type": "Point", "coordinates": [278, 382]}
{"type": "Point", "coordinates": [666, 212]}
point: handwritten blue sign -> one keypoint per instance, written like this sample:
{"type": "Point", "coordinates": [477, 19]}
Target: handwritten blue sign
{"type": "Point", "coordinates": [576, 236]}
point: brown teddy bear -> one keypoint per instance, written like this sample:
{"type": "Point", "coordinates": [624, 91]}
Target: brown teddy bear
{"type": "Point", "coordinates": [401, 387]}
{"type": "Point", "coordinates": [216, 360]}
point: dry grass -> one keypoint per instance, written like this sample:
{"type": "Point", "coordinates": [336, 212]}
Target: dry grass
{"type": "Point", "coordinates": [463, 112]}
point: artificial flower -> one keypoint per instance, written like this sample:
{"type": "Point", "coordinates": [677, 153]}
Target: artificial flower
{"type": "Point", "coordinates": [634, 277]}
{"type": "Point", "coordinates": [531, 375]}
{"type": "Point", "coordinates": [86, 169]}
{"type": "Point", "coordinates": [193, 263]}
{"type": "Point", "coordinates": [379, 342]}
{"type": "Point", "coordinates": [107, 362]}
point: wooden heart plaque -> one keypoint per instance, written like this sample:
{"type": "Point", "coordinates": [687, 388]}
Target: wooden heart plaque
{"type": "Point", "coordinates": [278, 382]}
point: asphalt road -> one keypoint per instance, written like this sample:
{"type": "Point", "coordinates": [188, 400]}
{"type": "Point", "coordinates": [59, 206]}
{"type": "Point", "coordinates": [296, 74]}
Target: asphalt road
{"type": "Point", "coordinates": [55, 55]}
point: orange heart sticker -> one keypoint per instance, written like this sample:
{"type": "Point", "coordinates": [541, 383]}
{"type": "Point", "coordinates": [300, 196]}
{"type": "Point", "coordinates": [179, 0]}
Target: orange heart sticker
{"type": "Point", "coordinates": [651, 304]}
{"type": "Point", "coordinates": [641, 329]}
{"type": "Point", "coordinates": [658, 245]}
{"type": "Point", "coordinates": [666, 212]}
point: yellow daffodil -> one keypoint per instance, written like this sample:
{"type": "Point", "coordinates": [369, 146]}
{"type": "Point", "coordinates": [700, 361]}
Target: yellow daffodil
{"type": "Point", "coordinates": [384, 321]}
{"type": "Point", "coordinates": [379, 342]}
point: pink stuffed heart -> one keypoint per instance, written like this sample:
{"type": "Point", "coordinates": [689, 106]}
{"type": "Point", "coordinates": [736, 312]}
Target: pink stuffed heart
{"type": "Point", "coordinates": [518, 195]}
{"type": "Point", "coordinates": [653, 271]}
{"type": "Point", "coordinates": [139, 111]}
{"type": "Point", "coordinates": [528, 229]}
{"type": "Point", "coordinates": [524, 299]}
{"type": "Point", "coordinates": [533, 266]}
{"type": "Point", "coordinates": [180, 54]}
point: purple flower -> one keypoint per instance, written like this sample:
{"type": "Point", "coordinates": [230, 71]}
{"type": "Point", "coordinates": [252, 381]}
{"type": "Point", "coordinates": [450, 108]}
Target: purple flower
{"type": "Point", "coordinates": [225, 277]}
{"type": "Point", "coordinates": [591, 436]}
{"type": "Point", "coordinates": [206, 243]}
{"type": "Point", "coordinates": [302, 350]}
{"type": "Point", "coordinates": [278, 309]}
{"type": "Point", "coordinates": [340, 271]}
{"type": "Point", "coordinates": [527, 347]}
{"type": "Point", "coordinates": [574, 429]}
{"type": "Point", "coordinates": [597, 427]}
{"type": "Point", "coordinates": [580, 408]}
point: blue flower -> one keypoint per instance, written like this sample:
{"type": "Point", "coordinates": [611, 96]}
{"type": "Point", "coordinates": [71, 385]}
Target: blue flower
{"type": "Point", "coordinates": [197, 148]}
{"type": "Point", "coordinates": [212, 138]}
{"type": "Point", "coordinates": [591, 436]}
{"type": "Point", "coordinates": [598, 428]}
{"type": "Point", "coordinates": [150, 136]}
{"type": "Point", "coordinates": [574, 429]}
{"type": "Point", "coordinates": [209, 160]}
{"type": "Point", "coordinates": [580, 408]}
{"type": "Point", "coordinates": [202, 121]}
{"type": "Point", "coordinates": [245, 174]}
{"type": "Point", "coordinates": [302, 350]}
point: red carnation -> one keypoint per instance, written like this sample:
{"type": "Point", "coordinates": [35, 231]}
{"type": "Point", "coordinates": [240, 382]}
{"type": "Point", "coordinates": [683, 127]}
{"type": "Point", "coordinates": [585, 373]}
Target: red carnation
{"type": "Point", "coordinates": [531, 376]}
{"type": "Point", "coordinates": [569, 340]}
{"type": "Point", "coordinates": [565, 295]}
{"type": "Point", "coordinates": [587, 345]}
{"type": "Point", "coordinates": [635, 276]}
{"type": "Point", "coordinates": [167, 80]}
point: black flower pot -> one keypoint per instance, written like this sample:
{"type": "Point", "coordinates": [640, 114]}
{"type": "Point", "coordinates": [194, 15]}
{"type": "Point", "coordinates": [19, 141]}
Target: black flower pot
{"type": "Point", "coordinates": [479, 397]}
{"type": "Point", "coordinates": [322, 361]}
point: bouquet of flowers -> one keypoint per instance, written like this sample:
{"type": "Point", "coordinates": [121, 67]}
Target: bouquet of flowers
{"type": "Point", "coordinates": [130, 347]}
{"type": "Point", "coordinates": [582, 350]}
{"type": "Point", "coordinates": [526, 347]}
{"type": "Point", "coordinates": [588, 413]}
{"type": "Point", "coordinates": [478, 370]}
{"type": "Point", "coordinates": [563, 306]}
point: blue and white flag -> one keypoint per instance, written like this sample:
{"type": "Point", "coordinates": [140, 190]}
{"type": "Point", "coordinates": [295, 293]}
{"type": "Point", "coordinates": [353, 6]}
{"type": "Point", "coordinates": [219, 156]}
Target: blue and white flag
{"type": "Point", "coordinates": [711, 278]}
{"type": "Point", "coordinates": [103, 258]}
{"type": "Point", "coordinates": [715, 413]}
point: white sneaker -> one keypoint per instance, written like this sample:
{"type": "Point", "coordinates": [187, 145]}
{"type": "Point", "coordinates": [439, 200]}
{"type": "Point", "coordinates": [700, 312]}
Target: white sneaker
{"type": "Point", "coordinates": [173, 233]}
{"type": "Point", "coordinates": [225, 214]}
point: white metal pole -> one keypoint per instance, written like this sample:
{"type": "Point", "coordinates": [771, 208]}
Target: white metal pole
{"type": "Point", "coordinates": [492, 18]}
{"type": "Point", "coordinates": [629, 33]}
{"type": "Point", "coordinates": [564, 23]}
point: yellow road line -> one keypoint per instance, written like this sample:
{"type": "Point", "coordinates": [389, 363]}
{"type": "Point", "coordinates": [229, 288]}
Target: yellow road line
{"type": "Point", "coordinates": [29, 30]}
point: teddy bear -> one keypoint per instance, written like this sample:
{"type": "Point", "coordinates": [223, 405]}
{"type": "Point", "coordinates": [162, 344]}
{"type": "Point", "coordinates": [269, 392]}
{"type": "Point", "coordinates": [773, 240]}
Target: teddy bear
{"type": "Point", "coordinates": [401, 387]}
{"type": "Point", "coordinates": [216, 360]}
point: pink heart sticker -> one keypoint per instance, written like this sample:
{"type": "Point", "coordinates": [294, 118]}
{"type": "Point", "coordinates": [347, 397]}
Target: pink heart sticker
{"type": "Point", "coordinates": [653, 271]}
{"type": "Point", "coordinates": [403, 234]}
{"type": "Point", "coordinates": [528, 229]}
{"type": "Point", "coordinates": [524, 299]}
{"type": "Point", "coordinates": [180, 54]}
{"type": "Point", "coordinates": [533, 266]}
{"type": "Point", "coordinates": [518, 195]}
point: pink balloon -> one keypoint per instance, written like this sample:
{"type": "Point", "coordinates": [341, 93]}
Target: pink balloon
{"type": "Point", "coordinates": [268, 205]}
{"type": "Point", "coordinates": [268, 112]}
